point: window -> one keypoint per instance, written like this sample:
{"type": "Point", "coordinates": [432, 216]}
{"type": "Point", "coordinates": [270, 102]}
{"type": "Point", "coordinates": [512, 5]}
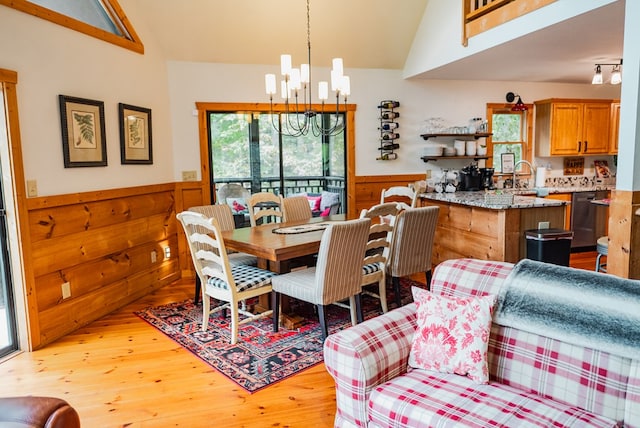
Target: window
{"type": "Point", "coordinates": [245, 148]}
{"type": "Point", "coordinates": [103, 19]}
{"type": "Point", "coordinates": [511, 133]}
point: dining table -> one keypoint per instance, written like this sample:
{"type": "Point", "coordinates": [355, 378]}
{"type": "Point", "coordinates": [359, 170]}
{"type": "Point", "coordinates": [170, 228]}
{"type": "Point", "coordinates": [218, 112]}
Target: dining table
{"type": "Point", "coordinates": [276, 245]}
{"type": "Point", "coordinates": [280, 247]}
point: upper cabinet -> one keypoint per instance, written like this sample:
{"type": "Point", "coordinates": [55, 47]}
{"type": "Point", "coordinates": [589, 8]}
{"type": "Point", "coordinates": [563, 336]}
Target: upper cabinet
{"type": "Point", "coordinates": [567, 127]}
{"type": "Point", "coordinates": [615, 127]}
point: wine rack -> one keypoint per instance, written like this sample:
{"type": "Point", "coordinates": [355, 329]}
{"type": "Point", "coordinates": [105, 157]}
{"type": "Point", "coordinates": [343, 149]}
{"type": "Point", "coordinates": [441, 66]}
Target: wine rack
{"type": "Point", "coordinates": [388, 130]}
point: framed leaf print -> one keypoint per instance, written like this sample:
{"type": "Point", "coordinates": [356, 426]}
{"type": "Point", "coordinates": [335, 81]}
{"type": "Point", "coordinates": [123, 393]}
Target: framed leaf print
{"type": "Point", "coordinates": [83, 132]}
{"type": "Point", "coordinates": [135, 134]}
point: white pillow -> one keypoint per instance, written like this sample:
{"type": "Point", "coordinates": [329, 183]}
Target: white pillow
{"type": "Point", "coordinates": [452, 335]}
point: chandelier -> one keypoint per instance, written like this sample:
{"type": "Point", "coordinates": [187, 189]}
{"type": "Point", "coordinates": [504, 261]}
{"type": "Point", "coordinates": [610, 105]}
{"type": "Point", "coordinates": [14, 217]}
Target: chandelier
{"type": "Point", "coordinates": [299, 116]}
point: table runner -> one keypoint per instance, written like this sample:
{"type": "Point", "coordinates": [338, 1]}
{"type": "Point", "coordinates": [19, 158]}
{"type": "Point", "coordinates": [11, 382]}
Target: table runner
{"type": "Point", "coordinates": [303, 228]}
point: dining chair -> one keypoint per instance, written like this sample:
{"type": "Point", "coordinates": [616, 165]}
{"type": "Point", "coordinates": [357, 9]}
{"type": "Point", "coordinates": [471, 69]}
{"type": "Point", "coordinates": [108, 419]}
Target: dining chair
{"type": "Point", "coordinates": [337, 275]}
{"type": "Point", "coordinates": [236, 196]}
{"type": "Point", "coordinates": [264, 207]}
{"type": "Point", "coordinates": [404, 196]}
{"type": "Point", "coordinates": [377, 252]}
{"type": "Point", "coordinates": [296, 208]}
{"type": "Point", "coordinates": [411, 245]}
{"type": "Point", "coordinates": [221, 280]}
{"type": "Point", "coordinates": [222, 213]}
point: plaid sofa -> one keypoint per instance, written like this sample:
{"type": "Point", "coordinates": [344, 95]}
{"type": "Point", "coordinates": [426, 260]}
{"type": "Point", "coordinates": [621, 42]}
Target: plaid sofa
{"type": "Point", "coordinates": [534, 380]}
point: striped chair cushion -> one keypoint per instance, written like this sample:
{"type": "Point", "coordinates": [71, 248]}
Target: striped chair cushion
{"type": "Point", "coordinates": [246, 277]}
{"type": "Point", "coordinates": [236, 259]}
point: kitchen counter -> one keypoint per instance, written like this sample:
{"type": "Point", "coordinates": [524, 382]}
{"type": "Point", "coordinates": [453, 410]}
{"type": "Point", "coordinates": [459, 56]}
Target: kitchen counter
{"type": "Point", "coordinates": [468, 227]}
{"type": "Point", "coordinates": [476, 199]}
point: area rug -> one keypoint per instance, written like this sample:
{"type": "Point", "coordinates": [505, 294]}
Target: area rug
{"type": "Point", "coordinates": [260, 357]}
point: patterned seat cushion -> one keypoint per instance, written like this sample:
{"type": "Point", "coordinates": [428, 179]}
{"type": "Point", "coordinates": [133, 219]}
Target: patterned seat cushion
{"type": "Point", "coordinates": [427, 399]}
{"type": "Point", "coordinates": [370, 268]}
{"type": "Point", "coordinates": [246, 277]}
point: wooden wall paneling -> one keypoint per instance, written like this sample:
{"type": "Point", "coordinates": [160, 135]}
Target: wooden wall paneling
{"type": "Point", "coordinates": [101, 243]}
{"type": "Point", "coordinates": [369, 188]}
{"type": "Point", "coordinates": [624, 234]}
{"type": "Point", "coordinates": [47, 223]}
{"type": "Point", "coordinates": [189, 194]}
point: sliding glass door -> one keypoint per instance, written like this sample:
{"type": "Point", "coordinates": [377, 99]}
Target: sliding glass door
{"type": "Point", "coordinates": [246, 148]}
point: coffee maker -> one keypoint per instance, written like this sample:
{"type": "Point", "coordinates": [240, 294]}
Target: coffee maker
{"type": "Point", "coordinates": [486, 178]}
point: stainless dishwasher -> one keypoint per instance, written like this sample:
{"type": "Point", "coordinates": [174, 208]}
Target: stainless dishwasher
{"type": "Point", "coordinates": [588, 221]}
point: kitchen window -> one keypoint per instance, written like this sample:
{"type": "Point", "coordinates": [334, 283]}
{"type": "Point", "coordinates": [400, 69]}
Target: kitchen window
{"type": "Point", "coordinates": [511, 133]}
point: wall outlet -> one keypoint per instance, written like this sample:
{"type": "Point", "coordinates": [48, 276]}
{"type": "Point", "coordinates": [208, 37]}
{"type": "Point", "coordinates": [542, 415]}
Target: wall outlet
{"type": "Point", "coordinates": [428, 174]}
{"type": "Point", "coordinates": [66, 290]}
{"type": "Point", "coordinates": [32, 188]}
{"type": "Point", "coordinates": [189, 175]}
{"type": "Point", "coordinates": [543, 225]}
{"type": "Point", "coordinates": [154, 256]}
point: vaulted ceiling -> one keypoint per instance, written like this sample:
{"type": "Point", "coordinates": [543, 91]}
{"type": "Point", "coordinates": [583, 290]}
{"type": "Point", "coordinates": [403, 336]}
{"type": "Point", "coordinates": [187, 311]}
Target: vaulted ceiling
{"type": "Point", "coordinates": [372, 34]}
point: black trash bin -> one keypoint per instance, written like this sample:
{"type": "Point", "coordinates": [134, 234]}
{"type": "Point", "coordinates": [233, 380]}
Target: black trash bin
{"type": "Point", "coordinates": [549, 245]}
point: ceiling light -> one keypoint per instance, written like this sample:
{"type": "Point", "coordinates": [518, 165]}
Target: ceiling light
{"type": "Point", "coordinates": [616, 74]}
{"type": "Point", "coordinates": [519, 105]}
{"type": "Point", "coordinates": [299, 116]}
{"type": "Point", "coordinates": [597, 77]}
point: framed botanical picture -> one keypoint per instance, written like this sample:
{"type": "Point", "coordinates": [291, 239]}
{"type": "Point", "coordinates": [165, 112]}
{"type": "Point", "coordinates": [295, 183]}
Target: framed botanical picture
{"type": "Point", "coordinates": [507, 162]}
{"type": "Point", "coordinates": [83, 135]}
{"type": "Point", "coordinates": [135, 134]}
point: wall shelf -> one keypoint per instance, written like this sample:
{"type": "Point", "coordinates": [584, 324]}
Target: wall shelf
{"type": "Point", "coordinates": [458, 136]}
{"type": "Point", "coordinates": [435, 158]}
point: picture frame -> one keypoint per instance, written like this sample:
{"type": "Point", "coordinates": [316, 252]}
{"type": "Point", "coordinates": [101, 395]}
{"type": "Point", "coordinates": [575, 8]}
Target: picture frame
{"type": "Point", "coordinates": [83, 132]}
{"type": "Point", "coordinates": [507, 161]}
{"type": "Point", "coordinates": [135, 134]}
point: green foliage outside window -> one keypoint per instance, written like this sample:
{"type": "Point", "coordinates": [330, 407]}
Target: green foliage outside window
{"type": "Point", "coordinates": [507, 132]}
{"type": "Point", "coordinates": [230, 135]}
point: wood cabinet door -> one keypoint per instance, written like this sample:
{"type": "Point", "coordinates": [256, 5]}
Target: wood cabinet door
{"type": "Point", "coordinates": [567, 208]}
{"type": "Point", "coordinates": [566, 128]}
{"type": "Point", "coordinates": [615, 128]}
{"type": "Point", "coordinates": [596, 128]}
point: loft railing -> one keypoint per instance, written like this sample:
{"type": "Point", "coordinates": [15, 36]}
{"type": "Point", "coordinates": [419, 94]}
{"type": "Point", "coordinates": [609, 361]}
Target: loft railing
{"type": "Point", "coordinates": [482, 15]}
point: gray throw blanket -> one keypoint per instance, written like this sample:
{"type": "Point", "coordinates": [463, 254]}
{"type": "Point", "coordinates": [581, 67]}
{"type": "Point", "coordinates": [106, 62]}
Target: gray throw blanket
{"type": "Point", "coordinates": [584, 308]}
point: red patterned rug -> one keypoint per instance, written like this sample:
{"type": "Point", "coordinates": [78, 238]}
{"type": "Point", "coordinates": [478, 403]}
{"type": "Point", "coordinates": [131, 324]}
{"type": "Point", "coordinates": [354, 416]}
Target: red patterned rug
{"type": "Point", "coordinates": [260, 357]}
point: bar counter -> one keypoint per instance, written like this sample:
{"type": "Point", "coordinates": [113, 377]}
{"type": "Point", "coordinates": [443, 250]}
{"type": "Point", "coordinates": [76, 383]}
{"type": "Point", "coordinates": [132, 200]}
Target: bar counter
{"type": "Point", "coordinates": [469, 227]}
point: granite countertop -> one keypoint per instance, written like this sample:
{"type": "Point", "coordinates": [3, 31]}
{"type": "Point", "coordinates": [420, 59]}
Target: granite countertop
{"type": "Point", "coordinates": [476, 199]}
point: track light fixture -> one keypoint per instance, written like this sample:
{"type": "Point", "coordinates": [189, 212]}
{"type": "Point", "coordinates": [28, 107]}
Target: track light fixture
{"type": "Point", "coordinates": [616, 74]}
{"type": "Point", "coordinates": [519, 105]}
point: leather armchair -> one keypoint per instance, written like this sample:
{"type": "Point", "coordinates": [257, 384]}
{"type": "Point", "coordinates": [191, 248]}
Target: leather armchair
{"type": "Point", "coordinates": [37, 412]}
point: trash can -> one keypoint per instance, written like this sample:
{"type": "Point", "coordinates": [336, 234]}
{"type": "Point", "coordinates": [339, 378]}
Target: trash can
{"type": "Point", "coordinates": [549, 245]}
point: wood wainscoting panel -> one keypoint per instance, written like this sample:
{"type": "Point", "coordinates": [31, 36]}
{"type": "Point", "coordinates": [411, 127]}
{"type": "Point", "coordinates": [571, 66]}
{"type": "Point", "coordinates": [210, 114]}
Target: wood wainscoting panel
{"type": "Point", "coordinates": [108, 245]}
{"type": "Point", "coordinates": [369, 189]}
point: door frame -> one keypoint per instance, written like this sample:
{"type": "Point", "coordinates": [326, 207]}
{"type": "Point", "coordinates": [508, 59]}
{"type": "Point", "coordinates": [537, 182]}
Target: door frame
{"type": "Point", "coordinates": [203, 133]}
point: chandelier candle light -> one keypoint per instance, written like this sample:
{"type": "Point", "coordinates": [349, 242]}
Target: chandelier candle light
{"type": "Point", "coordinates": [300, 117]}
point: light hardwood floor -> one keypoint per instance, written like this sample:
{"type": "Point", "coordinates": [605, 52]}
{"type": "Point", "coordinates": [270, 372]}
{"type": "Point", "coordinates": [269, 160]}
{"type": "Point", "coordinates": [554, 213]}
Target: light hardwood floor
{"type": "Point", "coordinates": [121, 372]}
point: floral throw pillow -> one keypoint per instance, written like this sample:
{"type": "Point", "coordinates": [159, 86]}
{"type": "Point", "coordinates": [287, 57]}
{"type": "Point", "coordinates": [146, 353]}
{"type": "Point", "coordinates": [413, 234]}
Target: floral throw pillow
{"type": "Point", "coordinates": [238, 205]}
{"type": "Point", "coordinates": [452, 335]}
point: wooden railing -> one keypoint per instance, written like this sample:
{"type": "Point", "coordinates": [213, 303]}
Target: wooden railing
{"type": "Point", "coordinates": [481, 15]}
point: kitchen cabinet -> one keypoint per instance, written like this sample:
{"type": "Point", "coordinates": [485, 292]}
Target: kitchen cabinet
{"type": "Point", "coordinates": [567, 127]}
{"type": "Point", "coordinates": [615, 127]}
{"type": "Point", "coordinates": [563, 197]}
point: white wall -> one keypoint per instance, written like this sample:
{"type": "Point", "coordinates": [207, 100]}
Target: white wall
{"type": "Point", "coordinates": [437, 40]}
{"type": "Point", "coordinates": [52, 60]}
{"type": "Point", "coordinates": [455, 101]}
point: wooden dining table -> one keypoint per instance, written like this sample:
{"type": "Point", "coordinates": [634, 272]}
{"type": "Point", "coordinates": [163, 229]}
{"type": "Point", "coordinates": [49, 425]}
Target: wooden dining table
{"type": "Point", "coordinates": [275, 251]}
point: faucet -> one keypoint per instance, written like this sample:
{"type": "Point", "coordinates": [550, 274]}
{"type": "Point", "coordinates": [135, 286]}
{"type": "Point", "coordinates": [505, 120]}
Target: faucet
{"type": "Point", "coordinates": [515, 168]}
